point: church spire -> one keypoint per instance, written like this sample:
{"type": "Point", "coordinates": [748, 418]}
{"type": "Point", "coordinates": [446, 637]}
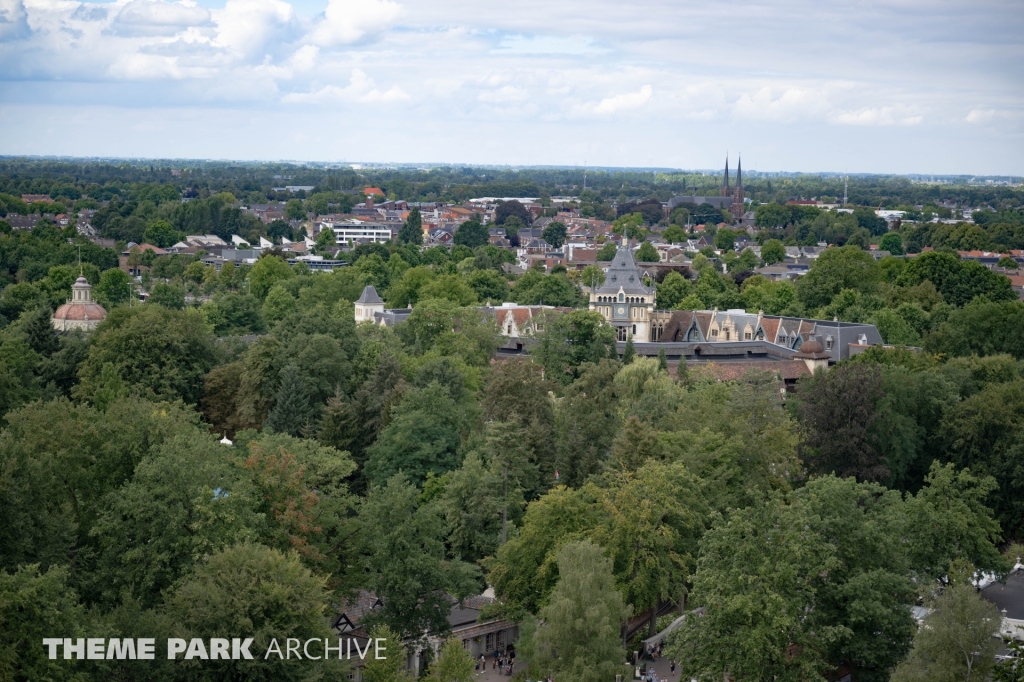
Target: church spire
{"type": "Point", "coordinates": [739, 172]}
{"type": "Point", "coordinates": [725, 183]}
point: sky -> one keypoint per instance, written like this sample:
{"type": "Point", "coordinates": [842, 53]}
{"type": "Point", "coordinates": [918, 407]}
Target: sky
{"type": "Point", "coordinates": [903, 86]}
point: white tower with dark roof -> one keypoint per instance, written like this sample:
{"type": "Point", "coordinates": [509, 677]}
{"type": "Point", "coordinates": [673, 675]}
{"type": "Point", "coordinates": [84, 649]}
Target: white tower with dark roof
{"type": "Point", "coordinates": [368, 305]}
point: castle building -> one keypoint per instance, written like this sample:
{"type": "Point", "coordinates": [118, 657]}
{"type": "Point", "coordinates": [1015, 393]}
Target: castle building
{"type": "Point", "coordinates": [80, 312]}
{"type": "Point", "coordinates": [624, 300]}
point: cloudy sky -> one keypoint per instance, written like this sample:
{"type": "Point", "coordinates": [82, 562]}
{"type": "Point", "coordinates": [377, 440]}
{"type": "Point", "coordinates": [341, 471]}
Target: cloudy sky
{"type": "Point", "coordinates": [906, 86]}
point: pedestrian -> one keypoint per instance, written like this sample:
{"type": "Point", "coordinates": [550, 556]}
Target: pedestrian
{"type": "Point", "coordinates": [672, 668]}
{"type": "Point", "coordinates": [483, 663]}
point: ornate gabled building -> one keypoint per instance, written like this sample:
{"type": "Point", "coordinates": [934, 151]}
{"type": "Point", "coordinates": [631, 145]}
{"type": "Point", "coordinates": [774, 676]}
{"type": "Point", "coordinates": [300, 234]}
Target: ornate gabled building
{"type": "Point", "coordinates": [624, 300]}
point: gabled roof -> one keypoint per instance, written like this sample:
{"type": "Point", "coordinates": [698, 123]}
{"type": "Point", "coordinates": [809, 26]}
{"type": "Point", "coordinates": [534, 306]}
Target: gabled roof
{"type": "Point", "coordinates": [369, 295]}
{"type": "Point", "coordinates": [623, 273]}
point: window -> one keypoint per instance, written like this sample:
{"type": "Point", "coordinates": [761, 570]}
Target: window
{"type": "Point", "coordinates": [727, 337]}
{"type": "Point", "coordinates": [714, 332]}
{"type": "Point", "coordinates": [489, 642]}
{"type": "Point", "coordinates": [747, 336]}
{"type": "Point", "coordinates": [465, 644]}
{"type": "Point", "coordinates": [539, 326]}
{"type": "Point", "coordinates": [828, 343]}
{"type": "Point", "coordinates": [634, 329]}
{"type": "Point", "coordinates": [621, 298]}
{"type": "Point", "coordinates": [509, 330]}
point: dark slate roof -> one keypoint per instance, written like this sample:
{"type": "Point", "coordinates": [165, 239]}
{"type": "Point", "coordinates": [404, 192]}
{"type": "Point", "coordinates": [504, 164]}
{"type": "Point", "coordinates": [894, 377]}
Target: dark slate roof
{"type": "Point", "coordinates": [1008, 595]}
{"type": "Point", "coordinates": [623, 273]}
{"type": "Point", "coordinates": [369, 295]}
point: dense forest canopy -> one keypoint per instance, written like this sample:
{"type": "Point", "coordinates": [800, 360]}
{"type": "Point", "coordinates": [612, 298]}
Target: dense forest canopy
{"type": "Point", "coordinates": [238, 455]}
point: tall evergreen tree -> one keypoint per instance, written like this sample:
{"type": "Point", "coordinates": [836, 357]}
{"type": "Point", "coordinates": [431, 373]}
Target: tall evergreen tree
{"type": "Point", "coordinates": [662, 359]}
{"type": "Point", "coordinates": [291, 409]}
{"type": "Point", "coordinates": [412, 231]}
{"type": "Point", "coordinates": [629, 354]}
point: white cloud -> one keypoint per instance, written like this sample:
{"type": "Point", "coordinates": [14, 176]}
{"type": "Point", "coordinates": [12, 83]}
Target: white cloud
{"type": "Point", "coordinates": [980, 115]}
{"type": "Point", "coordinates": [156, 17]}
{"type": "Point", "coordinates": [246, 27]}
{"type": "Point", "coordinates": [629, 100]}
{"type": "Point", "coordinates": [793, 104]}
{"type": "Point", "coordinates": [13, 20]}
{"type": "Point", "coordinates": [509, 93]}
{"type": "Point", "coordinates": [145, 67]}
{"type": "Point", "coordinates": [361, 88]}
{"type": "Point", "coordinates": [540, 44]}
{"type": "Point", "coordinates": [347, 21]}
{"type": "Point", "coordinates": [880, 116]}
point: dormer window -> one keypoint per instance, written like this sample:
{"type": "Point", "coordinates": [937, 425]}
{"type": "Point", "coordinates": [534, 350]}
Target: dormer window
{"type": "Point", "coordinates": [622, 298]}
{"type": "Point", "coordinates": [828, 343]}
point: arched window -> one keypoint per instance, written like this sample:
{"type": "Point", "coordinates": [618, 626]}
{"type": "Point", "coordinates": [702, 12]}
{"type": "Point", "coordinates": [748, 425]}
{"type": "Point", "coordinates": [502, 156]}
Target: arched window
{"type": "Point", "coordinates": [621, 298]}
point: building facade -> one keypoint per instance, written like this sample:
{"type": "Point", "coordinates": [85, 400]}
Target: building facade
{"type": "Point", "coordinates": [624, 301]}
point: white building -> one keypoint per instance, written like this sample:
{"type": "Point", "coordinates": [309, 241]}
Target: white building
{"type": "Point", "coordinates": [346, 231]}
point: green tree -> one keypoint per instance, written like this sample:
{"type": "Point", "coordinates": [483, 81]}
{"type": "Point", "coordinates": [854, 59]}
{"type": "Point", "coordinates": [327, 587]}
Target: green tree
{"type": "Point", "coordinates": [293, 210]}
{"type": "Point", "coordinates": [185, 500]}
{"type": "Point", "coordinates": [629, 354]}
{"type": "Point", "coordinates": [278, 304]}
{"type": "Point", "coordinates": [725, 240]}
{"type": "Point", "coordinates": [268, 271]}
{"type": "Point", "coordinates": [772, 215]}
{"type": "Point", "coordinates": [168, 296]}
{"type": "Point", "coordinates": [454, 665]}
{"type": "Point", "coordinates": [773, 252]}
{"type": "Point", "coordinates": [326, 243]}
{"type": "Point", "coordinates": [571, 340]}
{"type": "Point", "coordinates": [957, 641]}
{"type": "Point", "coordinates": [404, 561]}
{"type": "Point", "coordinates": [472, 234]}
{"type": "Point", "coordinates": [608, 251]}
{"type": "Point", "coordinates": [161, 233]}
{"type": "Point", "coordinates": [647, 253]}
{"type": "Point", "coordinates": [893, 243]}
{"type": "Point", "coordinates": [836, 269]}
{"type": "Point", "coordinates": [587, 421]}
{"type": "Point", "coordinates": [958, 281]}
{"type": "Point", "coordinates": [412, 230]}
{"type": "Point", "coordinates": [35, 605]}
{"type": "Point", "coordinates": [254, 591]}
{"type": "Point", "coordinates": [157, 350]}
{"type": "Point", "coordinates": [554, 234]}
{"type": "Point", "coordinates": [578, 638]}
{"type": "Point", "coordinates": [592, 277]}
{"type": "Point", "coordinates": [838, 410]}
{"type": "Point", "coordinates": [112, 288]}
{"type": "Point", "coordinates": [759, 633]}
{"type": "Point", "coordinates": [391, 666]}
{"type": "Point", "coordinates": [423, 436]}
{"type": "Point", "coordinates": [292, 411]}
{"type": "Point", "coordinates": [980, 328]}
{"type": "Point", "coordinates": [489, 285]}
{"type": "Point", "coordinates": [674, 234]}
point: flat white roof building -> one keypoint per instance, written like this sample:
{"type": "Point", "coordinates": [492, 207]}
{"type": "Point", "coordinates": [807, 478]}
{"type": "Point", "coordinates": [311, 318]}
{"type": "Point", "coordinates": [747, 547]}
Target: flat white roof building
{"type": "Point", "coordinates": [357, 230]}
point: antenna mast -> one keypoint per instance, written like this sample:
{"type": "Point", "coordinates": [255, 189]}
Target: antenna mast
{"type": "Point", "coordinates": [845, 179]}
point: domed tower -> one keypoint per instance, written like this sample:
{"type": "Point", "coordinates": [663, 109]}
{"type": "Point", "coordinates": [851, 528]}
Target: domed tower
{"type": "Point", "coordinates": [80, 312]}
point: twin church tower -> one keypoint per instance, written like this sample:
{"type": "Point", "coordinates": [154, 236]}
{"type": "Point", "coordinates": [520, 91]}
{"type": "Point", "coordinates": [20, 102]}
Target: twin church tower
{"type": "Point", "coordinates": [737, 194]}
